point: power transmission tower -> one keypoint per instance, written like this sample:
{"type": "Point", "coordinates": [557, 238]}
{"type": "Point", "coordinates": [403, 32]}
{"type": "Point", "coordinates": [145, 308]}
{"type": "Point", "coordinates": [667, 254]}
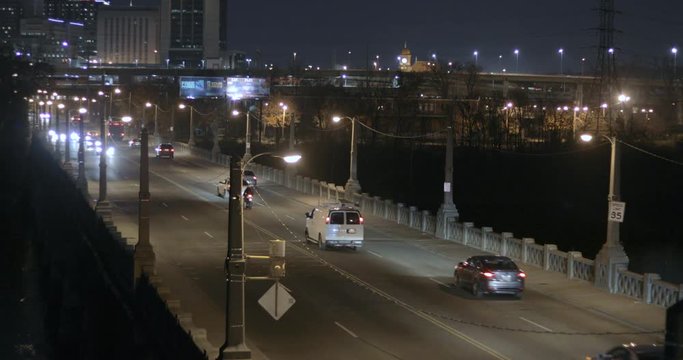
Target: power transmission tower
{"type": "Point", "coordinates": [606, 69]}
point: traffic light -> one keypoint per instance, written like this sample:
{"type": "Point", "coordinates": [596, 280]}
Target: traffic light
{"type": "Point", "coordinates": [277, 267]}
{"type": "Point", "coordinates": [277, 258]}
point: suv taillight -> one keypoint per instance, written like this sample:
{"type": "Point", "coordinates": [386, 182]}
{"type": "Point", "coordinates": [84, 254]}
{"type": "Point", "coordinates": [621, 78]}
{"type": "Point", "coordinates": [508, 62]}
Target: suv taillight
{"type": "Point", "coordinates": [327, 220]}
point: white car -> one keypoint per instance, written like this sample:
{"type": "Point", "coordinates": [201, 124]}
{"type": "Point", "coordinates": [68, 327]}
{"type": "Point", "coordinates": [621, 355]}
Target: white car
{"type": "Point", "coordinates": [223, 187]}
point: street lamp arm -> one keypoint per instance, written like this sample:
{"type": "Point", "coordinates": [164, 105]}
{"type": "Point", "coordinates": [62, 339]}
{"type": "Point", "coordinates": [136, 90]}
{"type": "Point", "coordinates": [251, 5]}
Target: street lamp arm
{"type": "Point", "coordinates": [244, 166]}
{"type": "Point", "coordinates": [289, 158]}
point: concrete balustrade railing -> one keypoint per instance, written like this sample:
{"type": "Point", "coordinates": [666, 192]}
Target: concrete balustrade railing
{"type": "Point", "coordinates": [648, 288]}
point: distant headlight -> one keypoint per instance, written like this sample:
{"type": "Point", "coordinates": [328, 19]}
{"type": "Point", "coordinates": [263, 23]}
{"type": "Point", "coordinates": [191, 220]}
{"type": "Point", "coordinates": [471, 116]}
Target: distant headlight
{"type": "Point", "coordinates": [75, 137]}
{"type": "Point", "coordinates": [98, 143]}
{"type": "Point", "coordinates": [110, 151]}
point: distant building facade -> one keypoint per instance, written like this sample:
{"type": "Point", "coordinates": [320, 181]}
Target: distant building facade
{"type": "Point", "coordinates": [406, 63]}
{"type": "Point", "coordinates": [10, 13]}
{"type": "Point", "coordinates": [190, 33]}
{"type": "Point", "coordinates": [128, 35]}
{"type": "Point", "coordinates": [77, 12]}
{"type": "Point", "coordinates": [49, 40]}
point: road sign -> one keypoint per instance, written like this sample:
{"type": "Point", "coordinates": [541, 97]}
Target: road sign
{"type": "Point", "coordinates": [616, 211]}
{"type": "Point", "coordinates": [276, 301]}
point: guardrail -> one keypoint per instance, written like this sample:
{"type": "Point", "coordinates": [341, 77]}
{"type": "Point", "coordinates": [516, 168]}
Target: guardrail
{"type": "Point", "coordinates": [648, 287]}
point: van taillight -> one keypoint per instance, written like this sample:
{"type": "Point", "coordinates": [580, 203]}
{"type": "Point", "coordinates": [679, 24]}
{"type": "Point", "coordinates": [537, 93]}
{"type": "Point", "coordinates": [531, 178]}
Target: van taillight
{"type": "Point", "coordinates": [361, 220]}
{"type": "Point", "coordinates": [327, 220]}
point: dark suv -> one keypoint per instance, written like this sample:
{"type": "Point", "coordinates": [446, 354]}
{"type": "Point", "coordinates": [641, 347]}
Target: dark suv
{"type": "Point", "coordinates": [165, 150]}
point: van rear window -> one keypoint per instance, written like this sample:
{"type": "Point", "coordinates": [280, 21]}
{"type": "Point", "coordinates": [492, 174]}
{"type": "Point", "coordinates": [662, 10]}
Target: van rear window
{"type": "Point", "coordinates": [352, 218]}
{"type": "Point", "coordinates": [337, 218]}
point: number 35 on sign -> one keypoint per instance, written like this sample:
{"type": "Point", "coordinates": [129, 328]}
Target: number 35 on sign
{"type": "Point", "coordinates": [616, 211]}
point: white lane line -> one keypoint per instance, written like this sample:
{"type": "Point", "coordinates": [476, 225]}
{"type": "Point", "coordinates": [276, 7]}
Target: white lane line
{"type": "Point", "coordinates": [291, 218]}
{"type": "Point", "coordinates": [184, 218]}
{"type": "Point", "coordinates": [164, 204]}
{"type": "Point", "coordinates": [345, 329]}
{"type": "Point", "coordinates": [438, 282]}
{"type": "Point", "coordinates": [374, 253]}
{"type": "Point", "coordinates": [536, 324]}
{"type": "Point", "coordinates": [209, 235]}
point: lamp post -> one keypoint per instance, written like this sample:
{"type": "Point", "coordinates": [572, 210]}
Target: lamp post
{"type": "Point", "coordinates": [516, 60]}
{"type": "Point", "coordinates": [561, 52]}
{"type": "Point", "coordinates": [234, 346]}
{"type": "Point", "coordinates": [81, 181]}
{"type": "Point", "coordinates": [476, 58]}
{"type": "Point", "coordinates": [156, 133]}
{"type": "Point", "coordinates": [611, 256]}
{"type": "Point", "coordinates": [284, 114]}
{"type": "Point", "coordinates": [102, 203]}
{"type": "Point", "coordinates": [352, 185]}
{"type": "Point", "coordinates": [60, 107]}
{"type": "Point", "coordinates": [674, 51]}
{"type": "Point", "coordinates": [190, 141]}
{"type": "Point", "coordinates": [447, 213]}
{"type": "Point", "coordinates": [247, 136]}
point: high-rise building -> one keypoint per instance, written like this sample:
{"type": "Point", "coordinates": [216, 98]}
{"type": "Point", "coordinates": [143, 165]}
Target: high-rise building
{"type": "Point", "coordinates": [49, 40]}
{"type": "Point", "coordinates": [10, 13]}
{"type": "Point", "coordinates": [128, 35]}
{"type": "Point", "coordinates": [190, 33]}
{"type": "Point", "coordinates": [80, 12]}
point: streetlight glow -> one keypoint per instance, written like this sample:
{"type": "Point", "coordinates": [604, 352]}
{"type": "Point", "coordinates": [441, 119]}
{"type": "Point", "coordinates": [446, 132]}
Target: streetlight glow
{"type": "Point", "coordinates": [586, 137]}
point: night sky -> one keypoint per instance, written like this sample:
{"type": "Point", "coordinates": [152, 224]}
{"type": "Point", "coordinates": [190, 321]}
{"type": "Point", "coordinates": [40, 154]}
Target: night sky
{"type": "Point", "coordinates": [317, 30]}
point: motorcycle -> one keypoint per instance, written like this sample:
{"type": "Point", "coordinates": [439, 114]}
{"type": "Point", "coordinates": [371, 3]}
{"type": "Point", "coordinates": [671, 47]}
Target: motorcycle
{"type": "Point", "coordinates": [248, 201]}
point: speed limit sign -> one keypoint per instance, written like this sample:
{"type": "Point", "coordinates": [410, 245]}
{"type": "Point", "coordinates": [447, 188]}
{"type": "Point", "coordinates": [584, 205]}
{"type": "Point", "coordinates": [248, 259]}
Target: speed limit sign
{"type": "Point", "coordinates": [616, 211]}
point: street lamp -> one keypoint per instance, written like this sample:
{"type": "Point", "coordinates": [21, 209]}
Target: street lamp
{"type": "Point", "coordinates": [611, 256]}
{"type": "Point", "coordinates": [234, 346]}
{"type": "Point", "coordinates": [284, 114]}
{"type": "Point", "coordinates": [59, 136]}
{"type": "Point", "coordinates": [247, 136]}
{"type": "Point", "coordinates": [81, 181]}
{"type": "Point", "coordinates": [476, 57]}
{"type": "Point", "coordinates": [675, 52]}
{"type": "Point", "coordinates": [352, 185]}
{"type": "Point", "coordinates": [516, 60]}
{"type": "Point", "coordinates": [191, 139]}
{"type": "Point", "coordinates": [561, 52]}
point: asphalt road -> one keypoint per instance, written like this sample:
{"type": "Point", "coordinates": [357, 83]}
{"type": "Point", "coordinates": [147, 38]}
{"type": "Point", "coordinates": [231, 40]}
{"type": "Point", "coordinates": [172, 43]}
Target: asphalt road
{"type": "Point", "coordinates": [391, 299]}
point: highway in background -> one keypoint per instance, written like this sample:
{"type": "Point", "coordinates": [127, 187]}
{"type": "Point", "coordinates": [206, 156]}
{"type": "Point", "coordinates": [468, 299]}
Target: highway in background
{"type": "Point", "coordinates": [391, 299]}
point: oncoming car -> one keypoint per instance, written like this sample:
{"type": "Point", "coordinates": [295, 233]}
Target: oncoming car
{"type": "Point", "coordinates": [633, 352]}
{"type": "Point", "coordinates": [249, 177]}
{"type": "Point", "coordinates": [490, 274]}
{"type": "Point", "coordinates": [136, 142]}
{"type": "Point", "coordinates": [335, 225]}
{"type": "Point", "coordinates": [165, 150]}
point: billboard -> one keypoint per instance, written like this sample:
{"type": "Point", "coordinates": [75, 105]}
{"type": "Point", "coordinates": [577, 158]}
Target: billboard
{"type": "Point", "coordinates": [193, 87]}
{"type": "Point", "coordinates": [246, 88]}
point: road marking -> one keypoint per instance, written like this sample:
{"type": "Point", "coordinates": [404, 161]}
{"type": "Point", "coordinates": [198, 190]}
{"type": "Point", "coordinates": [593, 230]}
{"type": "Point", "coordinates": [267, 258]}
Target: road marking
{"type": "Point", "coordinates": [536, 324]}
{"type": "Point", "coordinates": [209, 235]}
{"type": "Point", "coordinates": [376, 254]}
{"type": "Point", "coordinates": [184, 218]}
{"type": "Point", "coordinates": [345, 329]}
{"type": "Point", "coordinates": [438, 282]}
{"type": "Point", "coordinates": [417, 312]}
{"type": "Point", "coordinates": [436, 322]}
{"type": "Point", "coordinates": [164, 204]}
{"type": "Point", "coordinates": [291, 218]}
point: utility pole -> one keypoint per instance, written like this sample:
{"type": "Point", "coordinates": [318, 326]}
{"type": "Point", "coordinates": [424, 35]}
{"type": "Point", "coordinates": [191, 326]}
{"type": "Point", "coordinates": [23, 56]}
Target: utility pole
{"type": "Point", "coordinates": [235, 346]}
{"type": "Point", "coordinates": [102, 204]}
{"type": "Point", "coordinates": [144, 253]}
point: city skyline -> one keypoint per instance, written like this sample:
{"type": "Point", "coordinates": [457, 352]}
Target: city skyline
{"type": "Point", "coordinates": [320, 32]}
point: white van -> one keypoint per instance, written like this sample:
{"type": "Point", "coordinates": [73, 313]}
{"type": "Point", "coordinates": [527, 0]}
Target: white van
{"type": "Point", "coordinates": [335, 225]}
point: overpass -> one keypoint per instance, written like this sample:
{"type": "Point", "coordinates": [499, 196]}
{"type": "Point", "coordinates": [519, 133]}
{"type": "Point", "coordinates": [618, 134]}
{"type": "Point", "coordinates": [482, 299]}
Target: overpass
{"type": "Point", "coordinates": [554, 88]}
